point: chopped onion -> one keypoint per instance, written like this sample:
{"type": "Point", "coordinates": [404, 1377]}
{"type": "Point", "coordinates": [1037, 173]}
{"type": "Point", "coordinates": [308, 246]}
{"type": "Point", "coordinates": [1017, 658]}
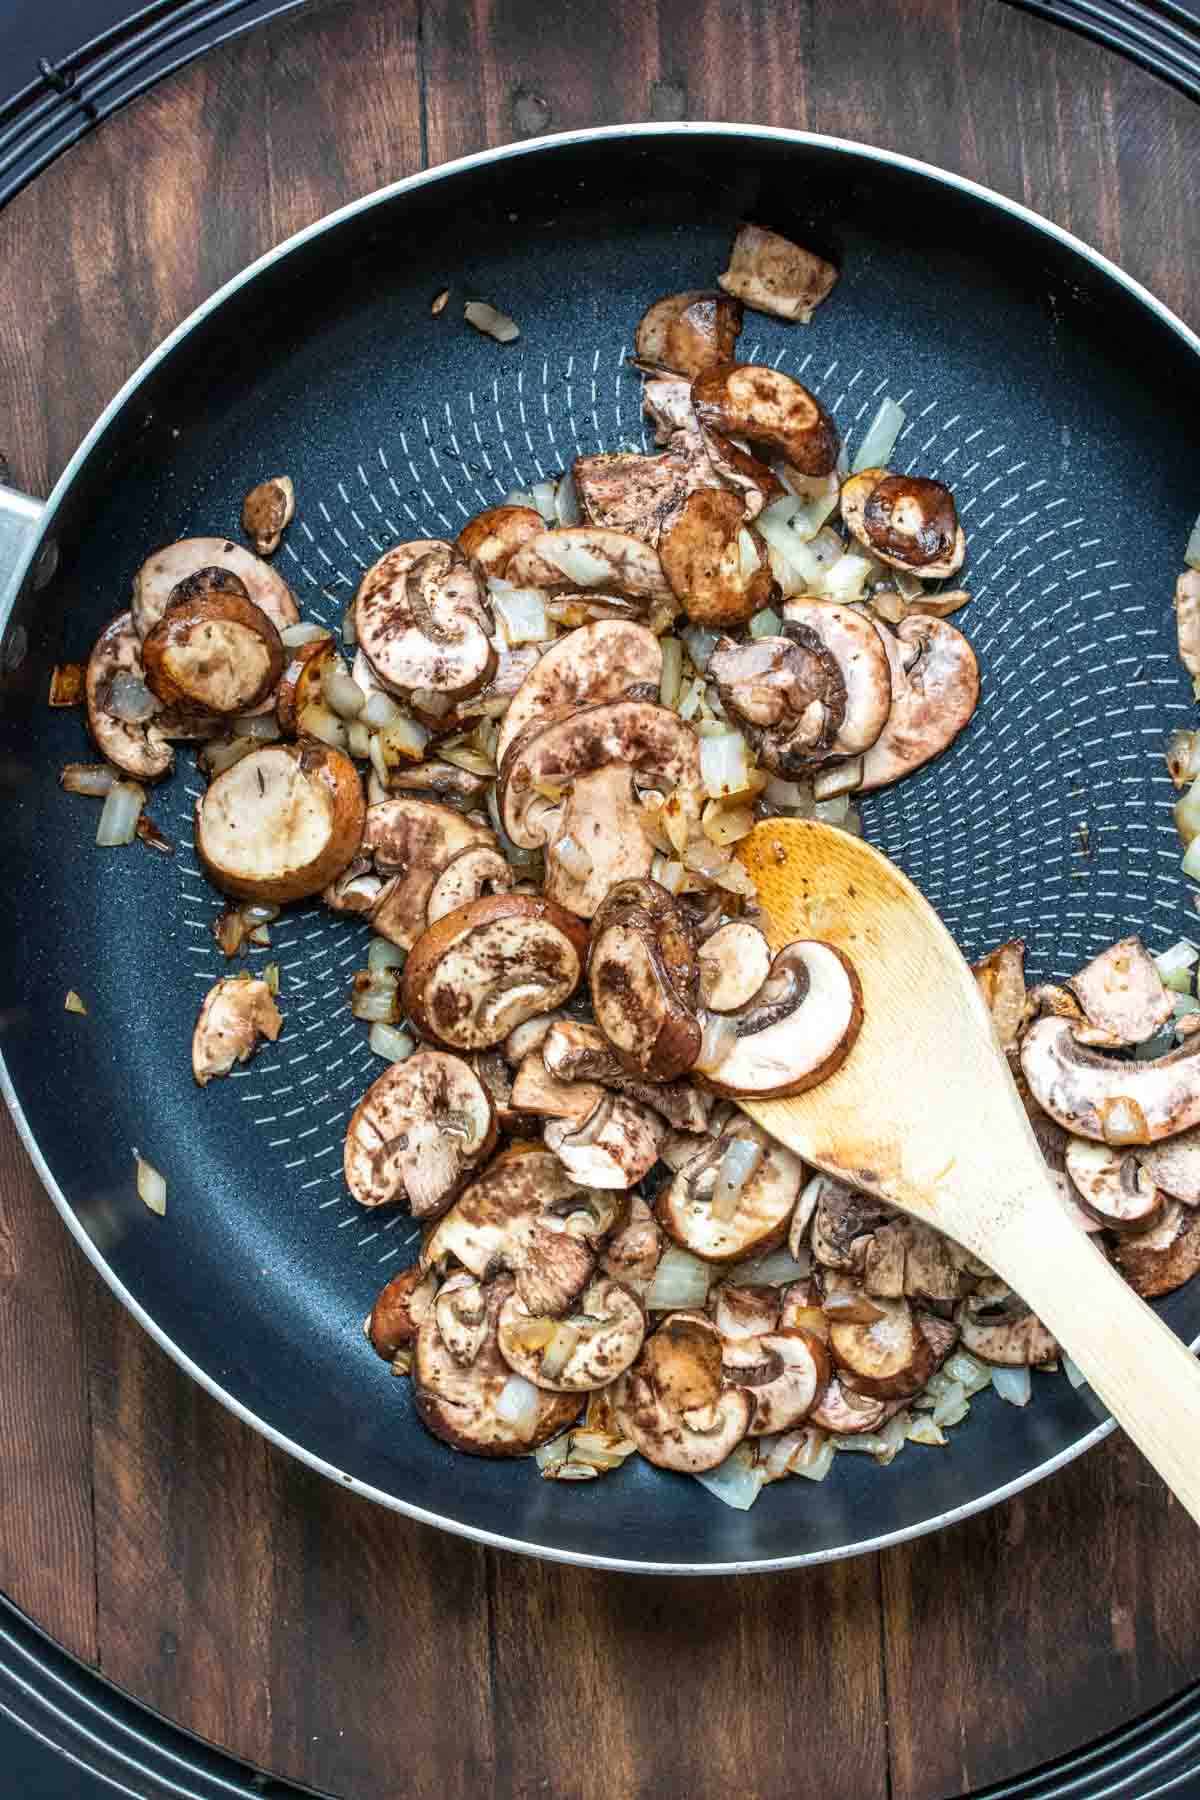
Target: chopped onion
{"type": "Point", "coordinates": [385, 1040]}
{"type": "Point", "coordinates": [1191, 862]}
{"type": "Point", "coordinates": [853, 822]}
{"type": "Point", "coordinates": [494, 324]}
{"type": "Point", "coordinates": [1187, 814]}
{"type": "Point", "coordinates": [742, 1158]}
{"type": "Point", "coordinates": [342, 695]}
{"type": "Point", "coordinates": [359, 739]}
{"type": "Point", "coordinates": [580, 565]}
{"type": "Point", "coordinates": [1013, 1385]}
{"type": "Point", "coordinates": [403, 742]}
{"type": "Point", "coordinates": [700, 644]}
{"type": "Point", "coordinates": [271, 976]}
{"type": "Point", "coordinates": [1073, 1372]}
{"type": "Point", "coordinates": [305, 631]}
{"type": "Point", "coordinates": [1183, 757]}
{"type": "Point", "coordinates": [260, 936]}
{"type": "Point", "coordinates": [318, 721]}
{"type": "Point", "coordinates": [790, 524]}
{"type": "Point", "coordinates": [680, 1280]}
{"type": "Point", "coordinates": [151, 1187]}
{"type": "Point", "coordinates": [816, 1460]}
{"type": "Point", "coordinates": [734, 879]}
{"type": "Point", "coordinates": [119, 814]}
{"type": "Point", "coordinates": [879, 440]}
{"type": "Point", "coordinates": [672, 671]}
{"type": "Point", "coordinates": [832, 812]}
{"type": "Point", "coordinates": [558, 1350]}
{"type": "Point", "coordinates": [718, 1040]}
{"type": "Point", "coordinates": [567, 510]}
{"type": "Point", "coordinates": [737, 1481]}
{"type": "Point", "coordinates": [519, 497]}
{"type": "Point", "coordinates": [92, 779]}
{"type": "Point", "coordinates": [549, 1456]}
{"type": "Point", "coordinates": [517, 1404]}
{"type": "Point", "coordinates": [797, 796]}
{"type": "Point", "coordinates": [130, 700]}
{"type": "Point", "coordinates": [724, 764]}
{"type": "Point", "coordinates": [470, 760]}
{"type": "Point", "coordinates": [221, 754]}
{"type": "Point", "coordinates": [671, 875]}
{"type": "Point", "coordinates": [890, 605]}
{"type": "Point", "coordinates": [692, 700]}
{"type": "Point", "coordinates": [748, 555]}
{"type": "Point", "coordinates": [969, 1371]}
{"type": "Point", "coordinates": [73, 1004]}
{"type": "Point", "coordinates": [261, 727]}
{"type": "Point", "coordinates": [570, 854]}
{"type": "Point", "coordinates": [542, 495]}
{"type": "Point", "coordinates": [777, 1269]}
{"type": "Point", "coordinates": [724, 825]}
{"type": "Point", "coordinates": [1175, 965]}
{"type": "Point", "coordinates": [846, 579]}
{"type": "Point", "coordinates": [766, 623]}
{"type": "Point", "coordinates": [522, 615]}
{"type": "Point", "coordinates": [376, 1000]}
{"type": "Point", "coordinates": [953, 1405]}
{"type": "Point", "coordinates": [383, 954]}
{"type": "Point", "coordinates": [1191, 555]}
{"type": "Point", "coordinates": [381, 711]}
{"type": "Point", "coordinates": [924, 1431]}
{"type": "Point", "coordinates": [839, 778]}
{"type": "Point", "coordinates": [349, 626]}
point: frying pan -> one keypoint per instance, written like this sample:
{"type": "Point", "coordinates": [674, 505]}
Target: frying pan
{"type": "Point", "coordinates": [1062, 403]}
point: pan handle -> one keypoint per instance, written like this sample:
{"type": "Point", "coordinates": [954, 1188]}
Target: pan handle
{"type": "Point", "coordinates": [20, 522]}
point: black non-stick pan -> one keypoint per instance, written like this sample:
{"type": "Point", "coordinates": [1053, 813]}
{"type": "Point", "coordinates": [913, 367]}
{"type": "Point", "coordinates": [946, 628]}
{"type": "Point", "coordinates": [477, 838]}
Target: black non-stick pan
{"type": "Point", "coordinates": [1060, 401]}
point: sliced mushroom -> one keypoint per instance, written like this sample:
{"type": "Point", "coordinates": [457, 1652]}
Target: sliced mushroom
{"type": "Point", "coordinates": [440, 781]}
{"type": "Point", "coordinates": [787, 694]}
{"type": "Point", "coordinates": [521, 1214]}
{"type": "Point", "coordinates": [421, 621]}
{"type": "Point", "coordinates": [633, 1253]}
{"type": "Point", "coordinates": [673, 1403]}
{"type": "Point", "coordinates": [281, 823]}
{"type": "Point", "coordinates": [492, 538]}
{"type": "Point", "coordinates": [935, 690]}
{"type": "Point", "coordinates": [497, 1078]}
{"type": "Point", "coordinates": [734, 962]}
{"type": "Point", "coordinates": [1159, 1260]}
{"type": "Point", "coordinates": [841, 1410]}
{"type": "Point", "coordinates": [136, 745]}
{"type": "Point", "coordinates": [668, 402]}
{"type": "Point", "coordinates": [753, 482]}
{"type": "Point", "coordinates": [858, 649]}
{"type": "Point", "coordinates": [408, 846]}
{"type": "Point", "coordinates": [460, 1312]}
{"type": "Point", "coordinates": [644, 981]}
{"type": "Point", "coordinates": [469, 876]}
{"type": "Point", "coordinates": [773, 275]}
{"type": "Point", "coordinates": [1187, 620]}
{"type": "Point", "coordinates": [893, 1356]}
{"type": "Point", "coordinates": [582, 1352]}
{"type": "Point", "coordinates": [483, 1408]}
{"type": "Point", "coordinates": [739, 1311]}
{"type": "Point", "coordinates": [754, 1218]}
{"type": "Point", "coordinates": [641, 496]}
{"type": "Point", "coordinates": [906, 521]}
{"type": "Point", "coordinates": [213, 650]}
{"type": "Point", "coordinates": [598, 841]}
{"type": "Point", "coordinates": [783, 1372]}
{"type": "Point", "coordinates": [603, 661]}
{"type": "Point", "coordinates": [159, 576]}
{"type": "Point", "coordinates": [485, 968]}
{"type": "Point", "coordinates": [1095, 1096]}
{"type": "Point", "coordinates": [688, 332]}
{"type": "Point", "coordinates": [613, 1148]}
{"type": "Point", "coordinates": [717, 564]}
{"type": "Point", "coordinates": [267, 511]}
{"type": "Point", "coordinates": [418, 1133]}
{"type": "Point", "coordinates": [797, 1031]}
{"type": "Point", "coordinates": [302, 681]}
{"type": "Point", "coordinates": [1001, 978]}
{"type": "Point", "coordinates": [574, 1051]}
{"type": "Point", "coordinates": [768, 408]}
{"type": "Point", "coordinates": [1122, 992]}
{"type": "Point", "coordinates": [550, 1096]}
{"type": "Point", "coordinates": [844, 1222]}
{"type": "Point", "coordinates": [524, 1039]}
{"type": "Point", "coordinates": [1174, 1166]}
{"type": "Point", "coordinates": [402, 1307]}
{"type": "Point", "coordinates": [581, 557]}
{"type": "Point", "coordinates": [999, 1328]}
{"type": "Point", "coordinates": [234, 1015]}
{"type": "Point", "coordinates": [1113, 1185]}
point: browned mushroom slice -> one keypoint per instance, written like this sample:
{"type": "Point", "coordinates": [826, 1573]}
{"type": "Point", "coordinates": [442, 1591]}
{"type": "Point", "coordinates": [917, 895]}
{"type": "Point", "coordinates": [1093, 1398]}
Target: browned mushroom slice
{"type": "Point", "coordinates": [1160, 1260]}
{"type": "Point", "coordinates": [582, 557]}
{"type": "Point", "coordinates": [483, 1408]}
{"type": "Point", "coordinates": [440, 781]}
{"type": "Point", "coordinates": [633, 1253]}
{"type": "Point", "coordinates": [1187, 620]}
{"type": "Point", "coordinates": [421, 621]}
{"type": "Point", "coordinates": [841, 1410]}
{"type": "Point", "coordinates": [739, 1311]}
{"type": "Point", "coordinates": [213, 650]}
{"type": "Point", "coordinates": [718, 565]}
{"type": "Point", "coordinates": [644, 981]}
{"type": "Point", "coordinates": [526, 1215]}
{"type": "Point", "coordinates": [640, 495]}
{"type": "Point", "coordinates": [267, 511]}
{"type": "Point", "coordinates": [574, 1051]}
{"type": "Point", "coordinates": [598, 842]}
{"type": "Point", "coordinates": [160, 575]}
{"type": "Point", "coordinates": [583, 1351]}
{"type": "Point", "coordinates": [786, 693]}
{"type": "Point", "coordinates": [301, 683]}
{"type": "Point", "coordinates": [858, 649]}
{"type": "Point", "coordinates": [417, 1134]}
{"type": "Point", "coordinates": [998, 1327]}
{"type": "Point", "coordinates": [402, 1307]}
{"type": "Point", "coordinates": [234, 1016]}
{"type": "Point", "coordinates": [497, 1078]}
{"type": "Point", "coordinates": [492, 538]}
{"type": "Point", "coordinates": [688, 332]}
{"type": "Point", "coordinates": [1001, 978]}
{"type": "Point", "coordinates": [734, 1198]}
{"type": "Point", "coordinates": [906, 521]}
{"type": "Point", "coordinates": [783, 1372]}
{"type": "Point", "coordinates": [1122, 992]}
{"type": "Point", "coordinates": [614, 1146]}
{"type": "Point", "coordinates": [487, 967]}
{"type": "Point", "coordinates": [673, 1403]}
{"type": "Point", "coordinates": [1113, 1102]}
{"type": "Point", "coordinates": [774, 275]}
{"type": "Point", "coordinates": [407, 847]}
{"type": "Point", "coordinates": [524, 1039]}
{"type": "Point", "coordinates": [1113, 1185]}
{"type": "Point", "coordinates": [536, 1090]}
{"type": "Point", "coordinates": [602, 661]}
{"type": "Point", "coordinates": [1174, 1166]}
{"type": "Point", "coordinates": [893, 1356]}
{"type": "Point", "coordinates": [122, 712]}
{"type": "Point", "coordinates": [281, 823]}
{"type": "Point", "coordinates": [460, 1313]}
{"type": "Point", "coordinates": [668, 402]}
{"type": "Point", "coordinates": [797, 1031]}
{"type": "Point", "coordinates": [753, 482]}
{"type": "Point", "coordinates": [734, 962]}
{"type": "Point", "coordinates": [935, 690]}
{"type": "Point", "coordinates": [469, 876]}
{"type": "Point", "coordinates": [768, 408]}
{"type": "Point", "coordinates": [845, 1220]}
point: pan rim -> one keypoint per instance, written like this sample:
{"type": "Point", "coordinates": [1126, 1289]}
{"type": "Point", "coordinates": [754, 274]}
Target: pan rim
{"type": "Point", "coordinates": [379, 196]}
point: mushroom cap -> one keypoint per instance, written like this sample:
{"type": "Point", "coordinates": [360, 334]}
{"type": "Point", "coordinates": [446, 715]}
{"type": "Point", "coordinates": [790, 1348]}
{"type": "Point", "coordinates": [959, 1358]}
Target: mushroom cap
{"type": "Point", "coordinates": [1001, 978]}
{"type": "Point", "coordinates": [652, 741]}
{"type": "Point", "coordinates": [488, 966]}
{"type": "Point", "coordinates": [844, 1221]}
{"type": "Point", "coordinates": [301, 683]}
{"type": "Point", "coordinates": [1174, 1165]}
{"type": "Point", "coordinates": [857, 648]}
{"type": "Point", "coordinates": [769, 408]}
{"type": "Point", "coordinates": [234, 1015]}
{"type": "Point", "coordinates": [740, 1311]}
{"type": "Point", "coordinates": [783, 1372]}
{"type": "Point", "coordinates": [574, 1051]}
{"type": "Point", "coordinates": [644, 981]}
{"type": "Point", "coordinates": [1158, 1261]}
{"type": "Point", "coordinates": [581, 557]}
{"type": "Point", "coordinates": [614, 1147]}
{"type": "Point", "coordinates": [667, 400]}
{"type": "Point", "coordinates": [471, 875]}
{"type": "Point", "coordinates": [906, 521]}
{"type": "Point", "coordinates": [1113, 1185]}
{"type": "Point", "coordinates": [602, 661]}
{"type": "Point", "coordinates": [839, 1409]}
{"type": "Point", "coordinates": [282, 823]}
{"type": "Point", "coordinates": [1016, 1341]}
{"type": "Point", "coordinates": [267, 511]}
{"type": "Point", "coordinates": [788, 1045]}
{"type": "Point", "coordinates": [462, 1406]}
{"type": "Point", "coordinates": [672, 1402]}
{"type": "Point", "coordinates": [439, 781]}
{"type": "Point", "coordinates": [1095, 1096]}
{"type": "Point", "coordinates": [754, 483]}
{"type": "Point", "coordinates": [418, 1133]}
{"type": "Point", "coordinates": [492, 538]}
{"type": "Point", "coordinates": [634, 1251]}
{"type": "Point", "coordinates": [789, 694]}
{"type": "Point", "coordinates": [160, 574]}
{"type": "Point", "coordinates": [893, 1356]}
{"type": "Point", "coordinates": [935, 690]}
{"type": "Point", "coordinates": [774, 275]}
{"type": "Point", "coordinates": [599, 841]}
{"type": "Point", "coordinates": [421, 621]}
{"type": "Point", "coordinates": [689, 332]}
{"type": "Point", "coordinates": [213, 650]}
{"type": "Point", "coordinates": [609, 1327]}
{"type": "Point", "coordinates": [717, 564]}
{"type": "Point", "coordinates": [734, 963]}
{"type": "Point", "coordinates": [140, 750]}
{"type": "Point", "coordinates": [764, 1202]}
{"type": "Point", "coordinates": [460, 1313]}
{"type": "Point", "coordinates": [1122, 992]}
{"type": "Point", "coordinates": [641, 495]}
{"type": "Point", "coordinates": [407, 846]}
{"type": "Point", "coordinates": [403, 1304]}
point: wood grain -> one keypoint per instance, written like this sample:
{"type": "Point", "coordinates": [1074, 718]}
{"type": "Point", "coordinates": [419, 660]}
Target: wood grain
{"type": "Point", "coordinates": [252, 1600]}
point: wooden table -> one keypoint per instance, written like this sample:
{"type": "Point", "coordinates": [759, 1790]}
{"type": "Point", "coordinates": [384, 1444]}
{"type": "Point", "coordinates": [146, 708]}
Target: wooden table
{"type": "Point", "coordinates": [141, 1525]}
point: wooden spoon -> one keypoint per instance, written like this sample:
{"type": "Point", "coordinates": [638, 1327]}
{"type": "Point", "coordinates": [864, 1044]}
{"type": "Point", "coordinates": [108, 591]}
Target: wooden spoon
{"type": "Point", "coordinates": [924, 1113]}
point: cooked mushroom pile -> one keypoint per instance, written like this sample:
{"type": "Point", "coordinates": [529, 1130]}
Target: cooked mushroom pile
{"type": "Point", "coordinates": [527, 768]}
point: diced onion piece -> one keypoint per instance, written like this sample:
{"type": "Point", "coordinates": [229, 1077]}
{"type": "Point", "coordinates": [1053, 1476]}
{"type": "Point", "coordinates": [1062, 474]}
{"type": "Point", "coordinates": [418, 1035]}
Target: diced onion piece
{"type": "Point", "coordinates": [571, 855]}
{"type": "Point", "coordinates": [119, 814]}
{"type": "Point", "coordinates": [384, 955]}
{"type": "Point", "coordinates": [816, 1460]}
{"type": "Point", "coordinates": [261, 936]}
{"type": "Point", "coordinates": [777, 1269]}
{"type": "Point", "coordinates": [952, 1407]}
{"type": "Point", "coordinates": [558, 1351]}
{"type": "Point", "coordinates": [342, 695]}
{"type": "Point", "coordinates": [517, 1404]}
{"type": "Point", "coordinates": [832, 812]}
{"type": "Point", "coordinates": [428, 700]}
{"type": "Point", "coordinates": [1175, 965]}
{"type": "Point", "coordinates": [381, 711]}
{"type": "Point", "coordinates": [470, 760]}
{"type": "Point", "coordinates": [879, 440]}
{"type": "Point", "coordinates": [534, 1334]}
{"type": "Point", "coordinates": [1191, 555]}
{"type": "Point", "coordinates": [969, 1371]}
{"type": "Point", "coordinates": [318, 721]}
{"type": "Point", "coordinates": [700, 645]}
{"type": "Point", "coordinates": [519, 497]}
{"type": "Point", "coordinates": [672, 875]}
{"type": "Point", "coordinates": [693, 699]}
{"type": "Point", "coordinates": [151, 1187]}
{"type": "Point", "coordinates": [1073, 1372]}
{"type": "Point", "coordinates": [924, 1431]}
{"type": "Point", "coordinates": [672, 671]}
{"type": "Point", "coordinates": [724, 825]}
{"type": "Point", "coordinates": [766, 623]}
{"type": "Point", "coordinates": [567, 510]}
{"type": "Point", "coordinates": [797, 796]}
{"type": "Point", "coordinates": [494, 324]}
{"type": "Point", "coordinates": [92, 779]}
{"type": "Point", "coordinates": [542, 496]}
{"type": "Point", "coordinates": [853, 822]}
{"type": "Point", "coordinates": [1187, 815]}
{"type": "Point", "coordinates": [385, 1040]}
{"type": "Point", "coordinates": [577, 563]}
{"type": "Point", "coordinates": [304, 631]}
{"type": "Point", "coordinates": [221, 754]}
{"type": "Point", "coordinates": [349, 627]}
{"type": "Point", "coordinates": [725, 766]}
{"type": "Point", "coordinates": [73, 1004]}
{"type": "Point", "coordinates": [403, 742]}
{"type": "Point", "coordinates": [680, 1280]}
{"type": "Point", "coordinates": [847, 578]}
{"type": "Point", "coordinates": [738, 1481]}
{"type": "Point", "coordinates": [548, 1456]}
{"type": "Point", "coordinates": [271, 977]}
{"type": "Point", "coordinates": [742, 1157]}
{"type": "Point", "coordinates": [130, 699]}
{"type": "Point", "coordinates": [889, 605]}
{"type": "Point", "coordinates": [376, 1002]}
{"type": "Point", "coordinates": [716, 1043]}
{"type": "Point", "coordinates": [748, 557]}
{"type": "Point", "coordinates": [521, 613]}
{"type": "Point", "coordinates": [359, 739]}
{"type": "Point", "coordinates": [838, 778]}
{"type": "Point", "coordinates": [262, 728]}
{"type": "Point", "coordinates": [1013, 1385]}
